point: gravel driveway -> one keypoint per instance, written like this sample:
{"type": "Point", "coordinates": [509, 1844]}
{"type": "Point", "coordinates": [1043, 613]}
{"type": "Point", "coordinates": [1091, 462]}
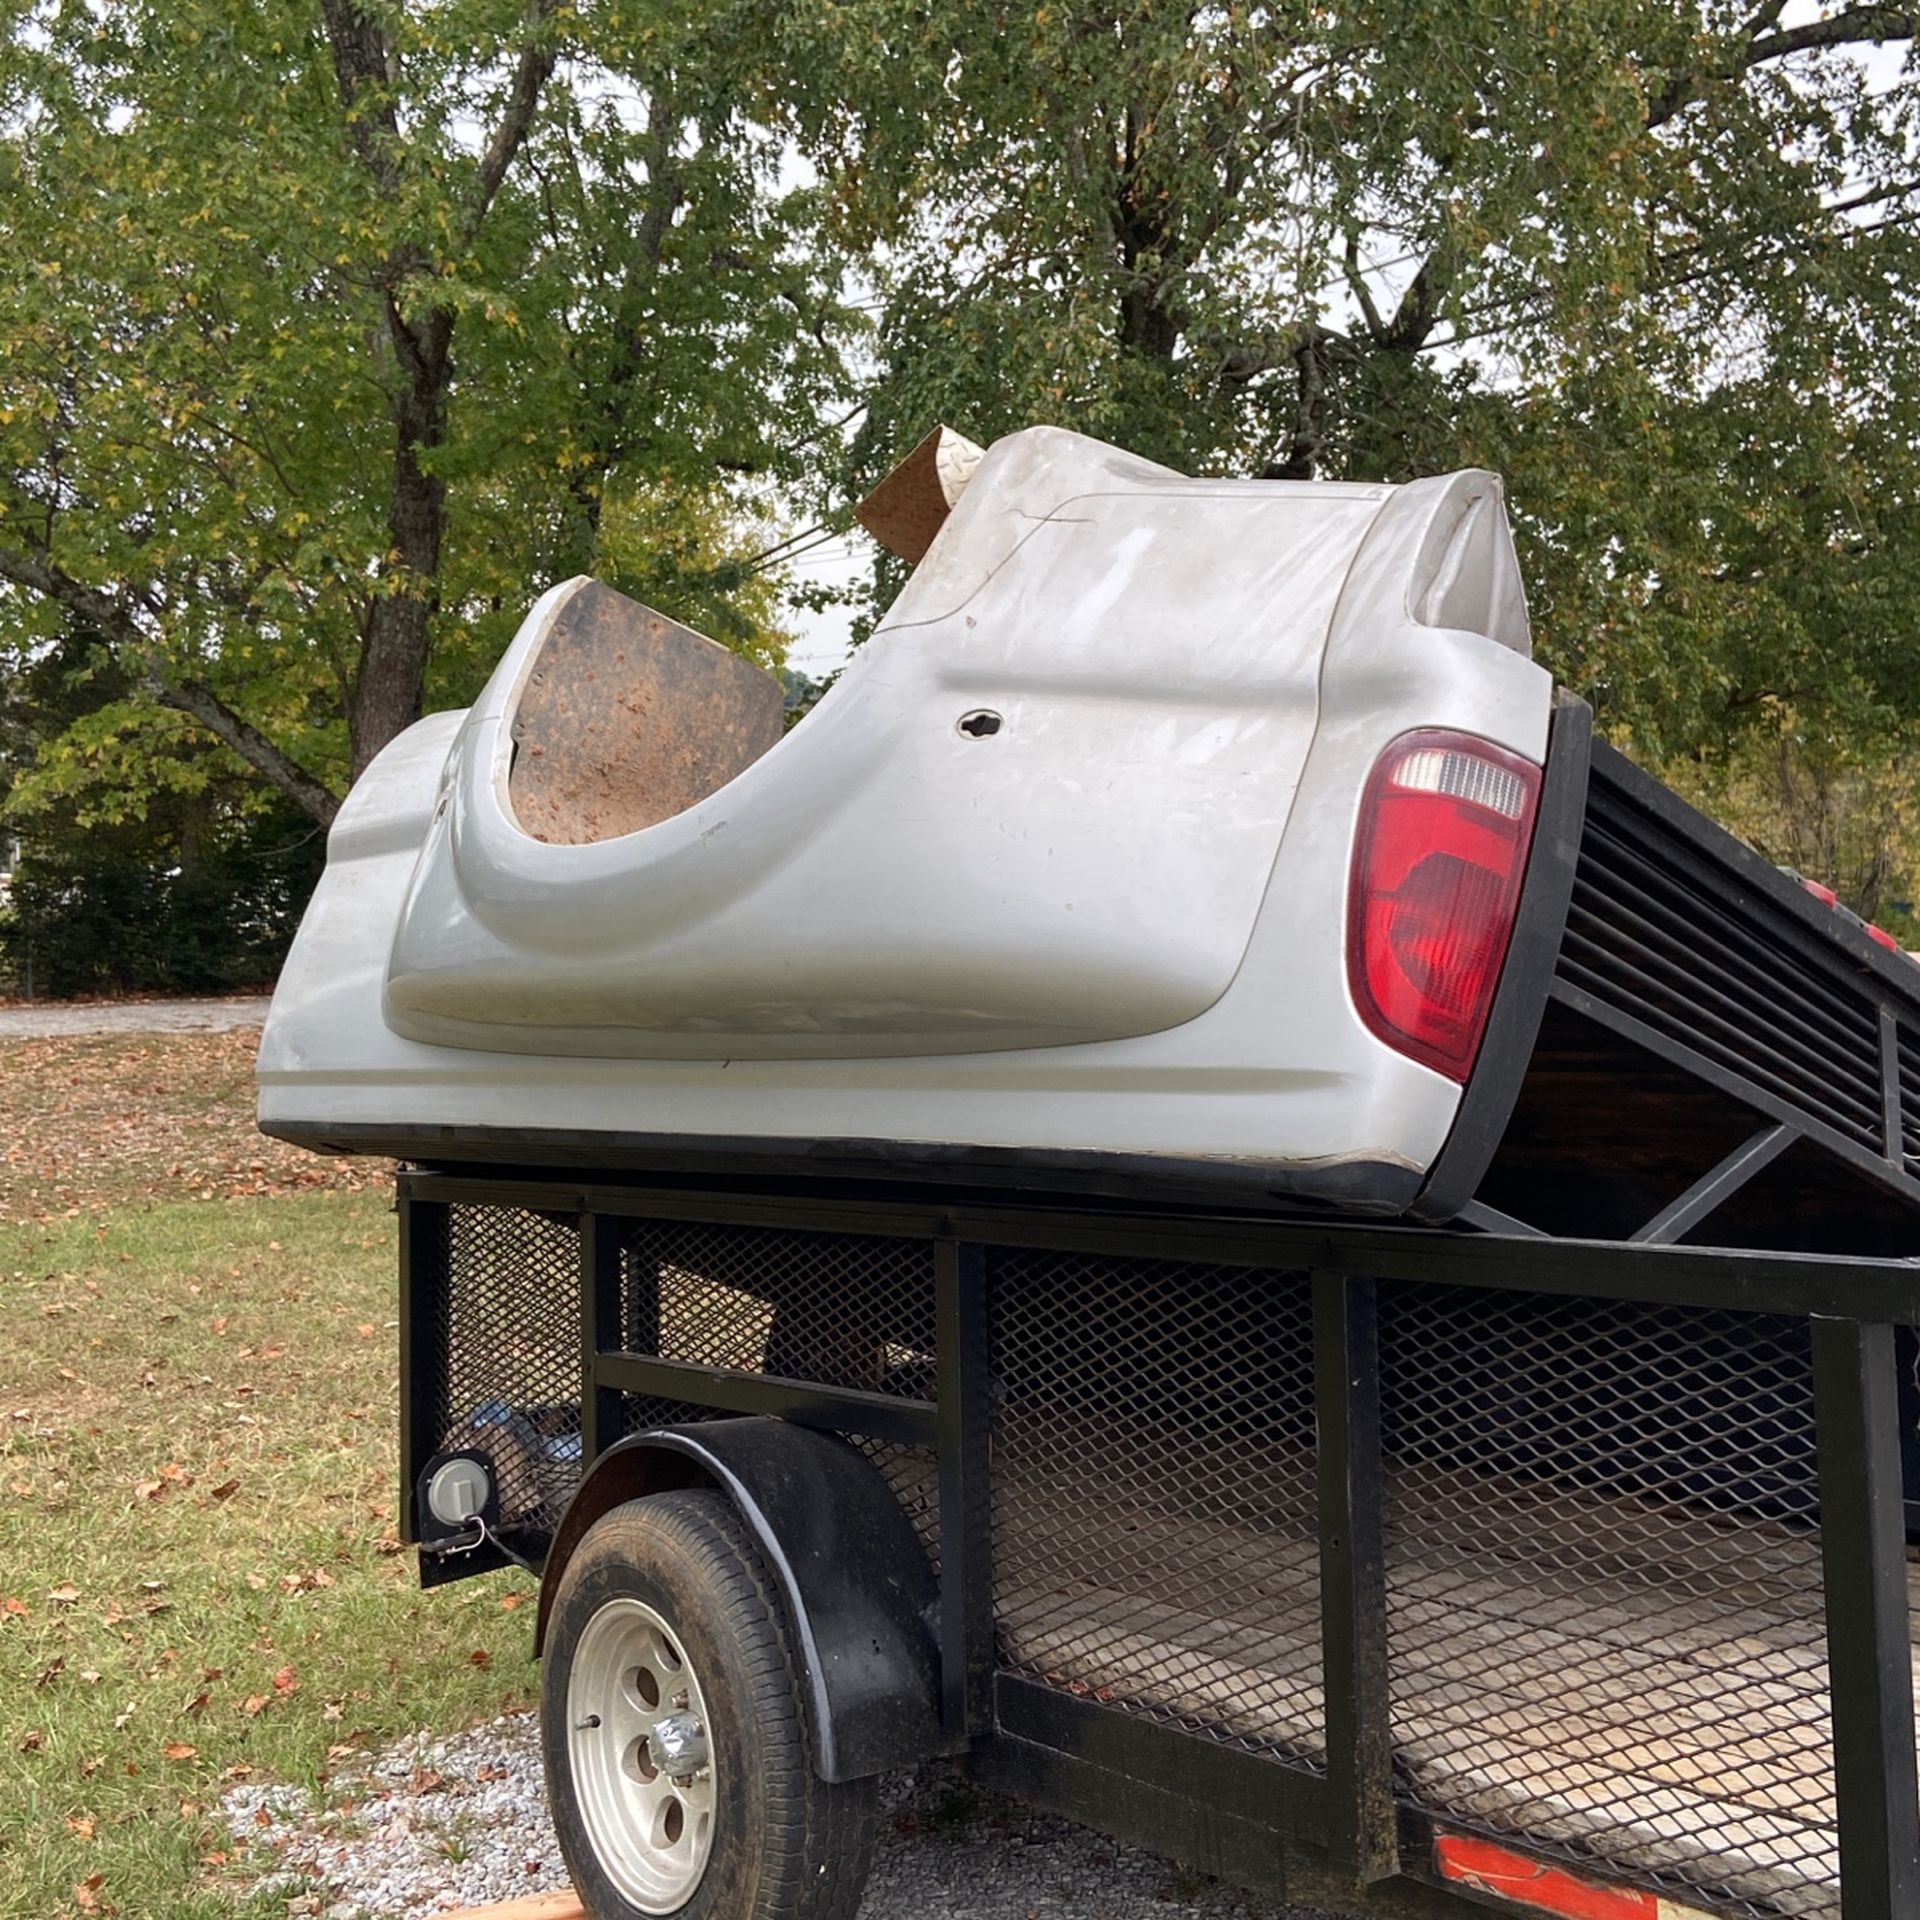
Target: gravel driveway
{"type": "Point", "coordinates": [439, 1824]}
{"type": "Point", "coordinates": [55, 1019]}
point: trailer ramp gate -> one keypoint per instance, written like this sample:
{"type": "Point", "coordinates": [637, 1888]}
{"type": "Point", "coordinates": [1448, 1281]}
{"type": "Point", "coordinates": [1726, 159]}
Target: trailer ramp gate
{"type": "Point", "coordinates": [1339, 1537]}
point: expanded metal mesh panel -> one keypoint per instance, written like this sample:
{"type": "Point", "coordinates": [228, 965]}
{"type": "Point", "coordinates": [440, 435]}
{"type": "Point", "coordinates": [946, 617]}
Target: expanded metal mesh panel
{"type": "Point", "coordinates": [1694, 952]}
{"type": "Point", "coordinates": [511, 1363]}
{"type": "Point", "coordinates": [839, 1310]}
{"type": "Point", "coordinates": [642, 1412]}
{"type": "Point", "coordinates": [1606, 1633]}
{"type": "Point", "coordinates": [1154, 1497]}
{"type": "Point", "coordinates": [914, 1475]}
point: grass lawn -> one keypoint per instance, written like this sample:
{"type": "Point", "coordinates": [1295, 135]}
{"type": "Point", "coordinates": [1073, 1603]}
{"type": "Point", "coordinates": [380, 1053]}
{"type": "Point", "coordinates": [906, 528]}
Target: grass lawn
{"type": "Point", "coordinates": [199, 1575]}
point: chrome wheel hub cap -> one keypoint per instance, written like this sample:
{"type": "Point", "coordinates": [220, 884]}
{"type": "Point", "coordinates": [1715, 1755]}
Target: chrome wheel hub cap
{"type": "Point", "coordinates": [641, 1753]}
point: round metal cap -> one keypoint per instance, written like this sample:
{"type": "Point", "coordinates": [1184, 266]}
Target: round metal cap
{"type": "Point", "coordinates": [457, 1492]}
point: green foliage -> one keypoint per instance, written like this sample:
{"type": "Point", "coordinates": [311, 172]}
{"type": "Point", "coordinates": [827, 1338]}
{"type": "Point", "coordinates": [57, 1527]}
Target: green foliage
{"type": "Point", "coordinates": [147, 858]}
{"type": "Point", "coordinates": [184, 903]}
{"type": "Point", "coordinates": [303, 397]}
{"type": "Point", "coordinates": [330, 334]}
{"type": "Point", "coordinates": [1652, 259]}
{"type": "Point", "coordinates": [1841, 810]}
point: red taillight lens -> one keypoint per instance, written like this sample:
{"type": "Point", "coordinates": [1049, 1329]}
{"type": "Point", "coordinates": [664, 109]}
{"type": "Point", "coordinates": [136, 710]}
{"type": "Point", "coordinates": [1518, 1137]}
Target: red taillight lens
{"type": "Point", "coordinates": [1442, 848]}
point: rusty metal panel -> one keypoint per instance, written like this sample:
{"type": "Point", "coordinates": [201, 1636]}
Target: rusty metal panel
{"type": "Point", "coordinates": [629, 718]}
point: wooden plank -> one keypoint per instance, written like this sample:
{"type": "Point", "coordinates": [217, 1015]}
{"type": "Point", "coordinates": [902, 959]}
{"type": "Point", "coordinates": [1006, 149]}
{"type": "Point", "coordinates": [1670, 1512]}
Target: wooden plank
{"type": "Point", "coordinates": [538, 1906]}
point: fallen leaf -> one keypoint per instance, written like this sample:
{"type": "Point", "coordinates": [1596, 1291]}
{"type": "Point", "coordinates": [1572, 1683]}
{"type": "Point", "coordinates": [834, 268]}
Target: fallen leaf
{"type": "Point", "coordinates": [64, 1595]}
{"type": "Point", "coordinates": [198, 1704]}
{"type": "Point", "coordinates": [480, 1657]}
{"type": "Point", "coordinates": [426, 1780]}
{"type": "Point", "coordinates": [86, 1895]}
{"type": "Point", "coordinates": [225, 1490]}
{"type": "Point", "coordinates": [179, 1750]}
{"type": "Point", "coordinates": [52, 1671]}
{"type": "Point", "coordinates": [284, 1682]}
{"type": "Point", "coordinates": [252, 1704]}
{"type": "Point", "coordinates": [509, 1601]}
{"type": "Point", "coordinates": [16, 1607]}
{"type": "Point", "coordinates": [32, 1742]}
{"type": "Point", "coordinates": [81, 1824]}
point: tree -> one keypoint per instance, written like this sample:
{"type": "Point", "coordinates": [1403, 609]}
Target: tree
{"type": "Point", "coordinates": [145, 856]}
{"type": "Point", "coordinates": [329, 336]}
{"type": "Point", "coordinates": [1654, 259]}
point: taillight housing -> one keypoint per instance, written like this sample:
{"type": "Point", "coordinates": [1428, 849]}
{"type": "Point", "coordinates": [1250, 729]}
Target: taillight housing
{"type": "Point", "coordinates": [1445, 824]}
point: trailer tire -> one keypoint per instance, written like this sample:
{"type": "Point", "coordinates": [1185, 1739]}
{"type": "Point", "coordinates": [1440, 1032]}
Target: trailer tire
{"type": "Point", "coordinates": [670, 1592]}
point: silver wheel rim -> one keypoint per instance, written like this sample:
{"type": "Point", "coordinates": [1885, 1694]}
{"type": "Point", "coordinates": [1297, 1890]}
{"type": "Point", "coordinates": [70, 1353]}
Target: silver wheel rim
{"type": "Point", "coordinates": [634, 1708]}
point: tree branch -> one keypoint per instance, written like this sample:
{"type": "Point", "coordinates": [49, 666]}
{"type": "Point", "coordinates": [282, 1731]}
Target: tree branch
{"type": "Point", "coordinates": [1860, 26]}
{"type": "Point", "coordinates": [1419, 309]}
{"type": "Point", "coordinates": [1310, 410]}
{"type": "Point", "coordinates": [530, 77]}
{"type": "Point", "coordinates": [361, 62]}
{"type": "Point", "coordinates": [106, 617]}
{"type": "Point", "coordinates": [199, 701]}
{"type": "Point", "coordinates": [1763, 39]}
{"type": "Point", "coordinates": [1357, 286]}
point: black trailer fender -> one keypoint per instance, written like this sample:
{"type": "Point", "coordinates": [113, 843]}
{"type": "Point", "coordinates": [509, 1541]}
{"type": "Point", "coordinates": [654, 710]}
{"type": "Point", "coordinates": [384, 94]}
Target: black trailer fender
{"type": "Point", "coordinates": [858, 1585]}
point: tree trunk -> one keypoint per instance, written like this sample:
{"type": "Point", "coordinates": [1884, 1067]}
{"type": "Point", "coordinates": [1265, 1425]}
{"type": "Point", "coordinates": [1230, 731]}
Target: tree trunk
{"type": "Point", "coordinates": [389, 689]}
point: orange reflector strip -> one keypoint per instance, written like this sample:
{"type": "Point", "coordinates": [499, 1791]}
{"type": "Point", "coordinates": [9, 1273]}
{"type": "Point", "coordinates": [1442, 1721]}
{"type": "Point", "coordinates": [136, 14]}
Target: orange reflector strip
{"type": "Point", "coordinates": [1485, 1868]}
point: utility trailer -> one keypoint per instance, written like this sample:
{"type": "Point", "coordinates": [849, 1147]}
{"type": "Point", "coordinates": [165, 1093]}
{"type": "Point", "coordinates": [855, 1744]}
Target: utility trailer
{"type": "Point", "coordinates": [1427, 1425]}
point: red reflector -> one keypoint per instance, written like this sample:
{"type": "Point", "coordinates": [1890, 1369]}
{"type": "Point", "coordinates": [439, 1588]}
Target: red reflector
{"type": "Point", "coordinates": [1444, 827]}
{"type": "Point", "coordinates": [1884, 937]}
{"type": "Point", "coordinates": [1825, 895]}
{"type": "Point", "coordinates": [1485, 1868]}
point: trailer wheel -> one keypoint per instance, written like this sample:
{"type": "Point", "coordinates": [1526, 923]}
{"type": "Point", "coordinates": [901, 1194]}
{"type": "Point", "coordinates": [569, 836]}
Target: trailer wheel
{"type": "Point", "coordinates": [679, 1771]}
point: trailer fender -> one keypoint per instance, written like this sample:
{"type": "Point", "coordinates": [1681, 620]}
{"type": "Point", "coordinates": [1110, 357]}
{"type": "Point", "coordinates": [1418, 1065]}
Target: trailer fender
{"type": "Point", "coordinates": [857, 1582]}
